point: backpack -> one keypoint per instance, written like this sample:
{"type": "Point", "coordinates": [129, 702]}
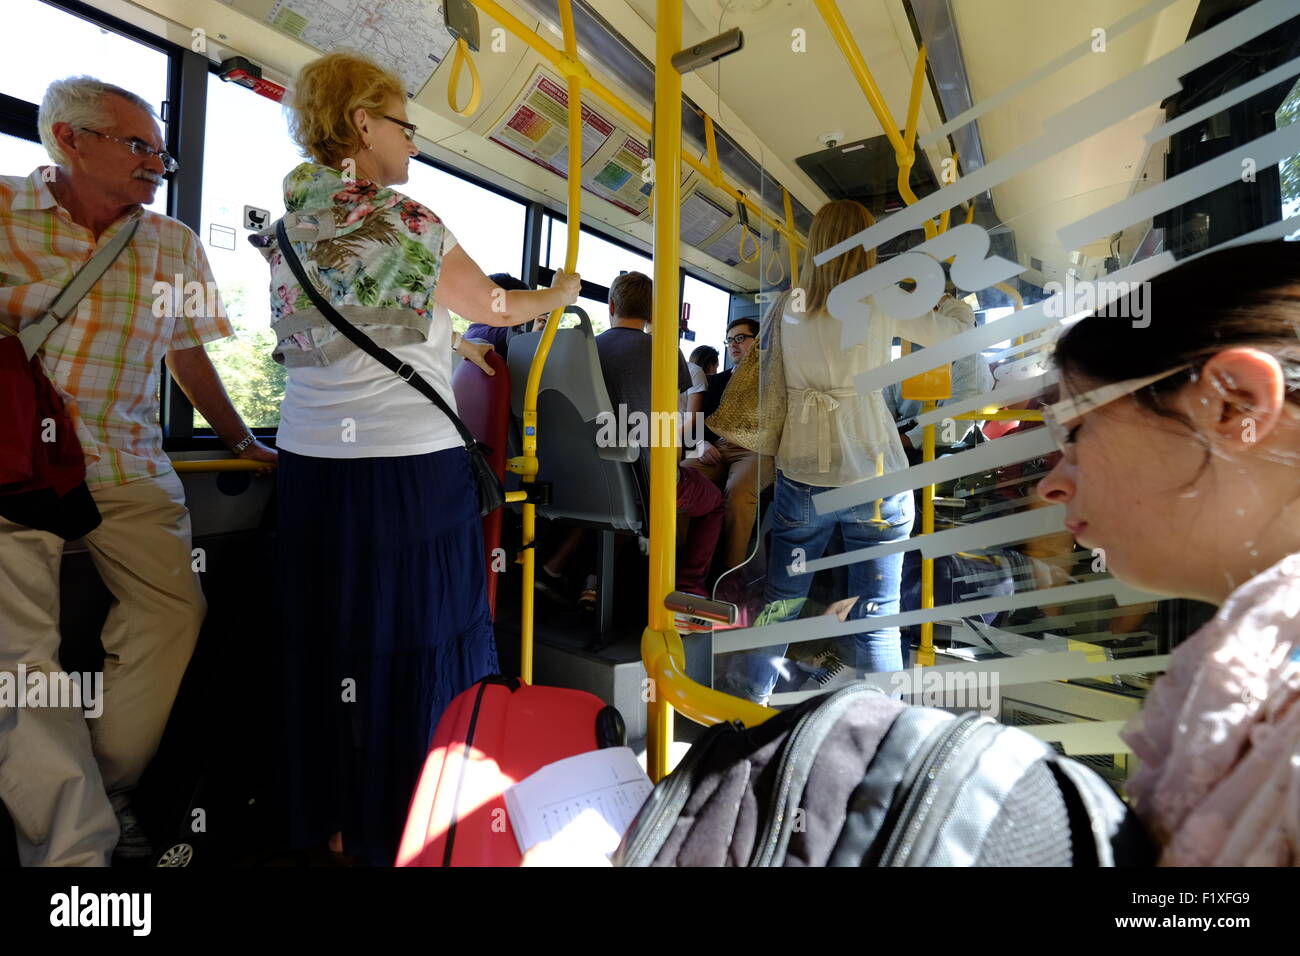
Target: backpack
{"type": "Point", "coordinates": [855, 778]}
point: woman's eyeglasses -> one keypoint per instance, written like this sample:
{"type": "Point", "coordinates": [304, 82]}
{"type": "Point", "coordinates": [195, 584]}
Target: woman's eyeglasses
{"type": "Point", "coordinates": [738, 338]}
{"type": "Point", "coordinates": [408, 129]}
{"type": "Point", "coordinates": [1057, 417]}
{"type": "Point", "coordinates": [140, 148]}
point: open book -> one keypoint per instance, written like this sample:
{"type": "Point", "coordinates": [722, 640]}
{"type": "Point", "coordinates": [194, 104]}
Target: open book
{"type": "Point", "coordinates": [586, 802]}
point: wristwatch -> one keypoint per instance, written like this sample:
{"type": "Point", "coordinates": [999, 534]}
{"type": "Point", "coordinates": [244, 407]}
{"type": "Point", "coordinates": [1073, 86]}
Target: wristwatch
{"type": "Point", "coordinates": [239, 449]}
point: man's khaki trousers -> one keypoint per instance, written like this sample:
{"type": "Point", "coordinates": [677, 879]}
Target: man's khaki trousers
{"type": "Point", "coordinates": [57, 766]}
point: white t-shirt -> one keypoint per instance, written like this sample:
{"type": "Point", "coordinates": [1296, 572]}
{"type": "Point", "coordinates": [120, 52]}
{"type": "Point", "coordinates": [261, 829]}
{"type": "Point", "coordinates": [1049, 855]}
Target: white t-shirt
{"type": "Point", "coordinates": [356, 408]}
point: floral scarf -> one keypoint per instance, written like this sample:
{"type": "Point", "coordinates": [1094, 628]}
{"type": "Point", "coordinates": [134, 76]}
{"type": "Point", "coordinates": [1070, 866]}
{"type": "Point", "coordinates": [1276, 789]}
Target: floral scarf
{"type": "Point", "coordinates": [364, 245]}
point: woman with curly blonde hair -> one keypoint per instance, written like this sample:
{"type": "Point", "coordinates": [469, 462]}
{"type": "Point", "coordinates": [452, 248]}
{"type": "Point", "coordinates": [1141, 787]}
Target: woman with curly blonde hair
{"type": "Point", "coordinates": [382, 576]}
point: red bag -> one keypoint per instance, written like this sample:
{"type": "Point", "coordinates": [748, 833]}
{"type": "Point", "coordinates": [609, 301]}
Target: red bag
{"type": "Point", "coordinates": [42, 466]}
{"type": "Point", "coordinates": [490, 737]}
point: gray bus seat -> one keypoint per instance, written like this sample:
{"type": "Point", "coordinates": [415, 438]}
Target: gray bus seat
{"type": "Point", "coordinates": [590, 484]}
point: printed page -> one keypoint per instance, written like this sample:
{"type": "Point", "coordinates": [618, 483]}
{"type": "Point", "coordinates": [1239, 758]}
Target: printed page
{"type": "Point", "coordinates": [585, 802]}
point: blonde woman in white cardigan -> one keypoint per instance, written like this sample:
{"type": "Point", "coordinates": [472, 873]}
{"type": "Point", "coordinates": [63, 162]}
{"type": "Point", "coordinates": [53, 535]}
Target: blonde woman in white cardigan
{"type": "Point", "coordinates": [834, 436]}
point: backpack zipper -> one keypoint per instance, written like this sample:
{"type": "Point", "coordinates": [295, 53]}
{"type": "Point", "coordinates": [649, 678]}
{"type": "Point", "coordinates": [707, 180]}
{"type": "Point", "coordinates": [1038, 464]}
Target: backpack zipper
{"type": "Point", "coordinates": [920, 797]}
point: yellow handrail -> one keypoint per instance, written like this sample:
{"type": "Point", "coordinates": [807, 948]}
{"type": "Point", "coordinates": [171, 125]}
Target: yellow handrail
{"type": "Point", "coordinates": [665, 661]}
{"type": "Point", "coordinates": [217, 464]}
{"type": "Point", "coordinates": [830, 12]}
{"type": "Point", "coordinates": [568, 64]}
{"type": "Point", "coordinates": [526, 464]}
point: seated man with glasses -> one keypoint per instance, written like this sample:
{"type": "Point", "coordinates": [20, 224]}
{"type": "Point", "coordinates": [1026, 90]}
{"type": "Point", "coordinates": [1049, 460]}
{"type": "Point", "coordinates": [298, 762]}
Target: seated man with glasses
{"type": "Point", "coordinates": [64, 778]}
{"type": "Point", "coordinates": [741, 473]}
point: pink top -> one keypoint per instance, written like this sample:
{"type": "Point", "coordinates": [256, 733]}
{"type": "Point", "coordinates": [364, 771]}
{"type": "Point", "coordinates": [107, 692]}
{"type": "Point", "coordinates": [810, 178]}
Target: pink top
{"type": "Point", "coordinates": [1219, 735]}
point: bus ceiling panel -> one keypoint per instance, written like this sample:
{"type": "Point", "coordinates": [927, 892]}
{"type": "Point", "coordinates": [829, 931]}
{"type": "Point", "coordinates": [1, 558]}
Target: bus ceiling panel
{"type": "Point", "coordinates": [601, 43]}
{"type": "Point", "coordinates": [793, 87]}
{"type": "Point", "coordinates": [1099, 171]}
{"type": "Point", "coordinates": [738, 144]}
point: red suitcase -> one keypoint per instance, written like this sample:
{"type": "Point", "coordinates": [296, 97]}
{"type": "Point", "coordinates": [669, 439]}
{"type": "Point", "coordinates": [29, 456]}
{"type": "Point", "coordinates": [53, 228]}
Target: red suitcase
{"type": "Point", "coordinates": [490, 737]}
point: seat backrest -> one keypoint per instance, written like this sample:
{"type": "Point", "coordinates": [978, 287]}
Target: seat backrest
{"type": "Point", "coordinates": [590, 482]}
{"type": "Point", "coordinates": [483, 403]}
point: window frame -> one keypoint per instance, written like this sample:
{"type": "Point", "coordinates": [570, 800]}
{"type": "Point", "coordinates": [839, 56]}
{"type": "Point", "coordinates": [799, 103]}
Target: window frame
{"type": "Point", "coordinates": [188, 75]}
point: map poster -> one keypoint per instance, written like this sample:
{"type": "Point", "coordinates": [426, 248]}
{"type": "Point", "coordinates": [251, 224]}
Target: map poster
{"type": "Point", "coordinates": [537, 127]}
{"type": "Point", "coordinates": [619, 178]}
{"type": "Point", "coordinates": [406, 36]}
{"type": "Point", "coordinates": [727, 246]}
{"type": "Point", "coordinates": [703, 218]}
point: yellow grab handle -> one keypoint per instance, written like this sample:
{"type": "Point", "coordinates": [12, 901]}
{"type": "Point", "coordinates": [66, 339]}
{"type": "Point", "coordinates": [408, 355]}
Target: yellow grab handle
{"type": "Point", "coordinates": [453, 84]}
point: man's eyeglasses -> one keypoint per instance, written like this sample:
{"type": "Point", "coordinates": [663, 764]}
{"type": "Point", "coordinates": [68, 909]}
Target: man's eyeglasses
{"type": "Point", "coordinates": [1057, 417]}
{"type": "Point", "coordinates": [738, 338]}
{"type": "Point", "coordinates": [140, 148]}
{"type": "Point", "coordinates": [408, 129]}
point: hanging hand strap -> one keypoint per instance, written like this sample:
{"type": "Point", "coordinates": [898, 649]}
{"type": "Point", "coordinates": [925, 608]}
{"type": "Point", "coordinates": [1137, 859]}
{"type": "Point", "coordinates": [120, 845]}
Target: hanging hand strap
{"type": "Point", "coordinates": [453, 82]}
{"type": "Point", "coordinates": [66, 302]}
{"type": "Point", "coordinates": [405, 372]}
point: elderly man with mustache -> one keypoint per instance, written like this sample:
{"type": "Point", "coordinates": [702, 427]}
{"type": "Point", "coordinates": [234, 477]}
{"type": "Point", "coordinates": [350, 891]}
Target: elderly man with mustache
{"type": "Point", "coordinates": [66, 780]}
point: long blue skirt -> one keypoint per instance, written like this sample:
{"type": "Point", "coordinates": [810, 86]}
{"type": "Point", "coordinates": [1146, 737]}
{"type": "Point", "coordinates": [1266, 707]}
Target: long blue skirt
{"type": "Point", "coordinates": [385, 621]}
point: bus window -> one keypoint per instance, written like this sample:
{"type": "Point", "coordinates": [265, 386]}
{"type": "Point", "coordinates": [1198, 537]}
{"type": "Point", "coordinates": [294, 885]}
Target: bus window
{"type": "Point", "coordinates": [27, 69]}
{"type": "Point", "coordinates": [246, 155]}
{"type": "Point", "coordinates": [489, 226]}
{"type": "Point", "coordinates": [599, 262]}
{"type": "Point", "coordinates": [709, 308]}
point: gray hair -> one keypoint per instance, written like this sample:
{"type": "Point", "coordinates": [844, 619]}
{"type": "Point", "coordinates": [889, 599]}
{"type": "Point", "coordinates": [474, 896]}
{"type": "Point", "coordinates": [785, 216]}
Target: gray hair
{"type": "Point", "coordinates": [78, 101]}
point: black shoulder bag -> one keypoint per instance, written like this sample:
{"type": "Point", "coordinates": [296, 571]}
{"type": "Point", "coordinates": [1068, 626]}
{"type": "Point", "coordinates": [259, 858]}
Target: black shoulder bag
{"type": "Point", "coordinates": [490, 493]}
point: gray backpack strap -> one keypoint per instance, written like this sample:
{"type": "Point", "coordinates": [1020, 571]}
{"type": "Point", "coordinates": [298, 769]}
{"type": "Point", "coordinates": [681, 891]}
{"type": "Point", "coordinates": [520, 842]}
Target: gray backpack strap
{"type": "Point", "coordinates": [66, 302]}
{"type": "Point", "coordinates": [1115, 831]}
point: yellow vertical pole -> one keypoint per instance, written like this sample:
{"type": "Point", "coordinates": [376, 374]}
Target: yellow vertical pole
{"type": "Point", "coordinates": [528, 530]}
{"type": "Point", "coordinates": [663, 390]}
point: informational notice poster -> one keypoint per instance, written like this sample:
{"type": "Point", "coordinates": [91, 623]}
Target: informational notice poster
{"type": "Point", "coordinates": [537, 126]}
{"type": "Point", "coordinates": [704, 217]}
{"type": "Point", "coordinates": [614, 164]}
{"type": "Point", "coordinates": [619, 178]}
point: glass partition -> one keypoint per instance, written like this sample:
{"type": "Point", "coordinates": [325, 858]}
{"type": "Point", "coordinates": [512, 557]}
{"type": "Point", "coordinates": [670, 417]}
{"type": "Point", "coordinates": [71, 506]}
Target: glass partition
{"type": "Point", "coordinates": [910, 366]}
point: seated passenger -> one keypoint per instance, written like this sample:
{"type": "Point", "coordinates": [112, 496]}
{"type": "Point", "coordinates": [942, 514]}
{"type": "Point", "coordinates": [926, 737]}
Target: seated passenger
{"type": "Point", "coordinates": [704, 358]}
{"type": "Point", "coordinates": [741, 473]}
{"type": "Point", "coordinates": [833, 436]}
{"type": "Point", "coordinates": [1179, 445]}
{"type": "Point", "coordinates": [625, 361]}
{"type": "Point", "coordinates": [625, 358]}
{"type": "Point", "coordinates": [702, 363]}
{"type": "Point", "coordinates": [499, 336]}
{"type": "Point", "coordinates": [382, 578]}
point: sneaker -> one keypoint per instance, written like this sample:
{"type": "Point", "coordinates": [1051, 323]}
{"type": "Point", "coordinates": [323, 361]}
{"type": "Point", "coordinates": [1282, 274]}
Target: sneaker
{"type": "Point", "coordinates": [690, 624]}
{"type": "Point", "coordinates": [549, 585]}
{"type": "Point", "coordinates": [587, 601]}
{"type": "Point", "coordinates": [829, 673]}
{"type": "Point", "coordinates": [133, 844]}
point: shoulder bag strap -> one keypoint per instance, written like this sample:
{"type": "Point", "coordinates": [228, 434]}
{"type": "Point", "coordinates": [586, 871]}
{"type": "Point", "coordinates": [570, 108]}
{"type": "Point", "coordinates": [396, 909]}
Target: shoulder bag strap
{"type": "Point", "coordinates": [362, 341]}
{"type": "Point", "coordinates": [66, 302]}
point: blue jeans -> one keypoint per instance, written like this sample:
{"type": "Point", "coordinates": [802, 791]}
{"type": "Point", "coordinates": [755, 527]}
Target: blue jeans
{"type": "Point", "coordinates": [797, 525]}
